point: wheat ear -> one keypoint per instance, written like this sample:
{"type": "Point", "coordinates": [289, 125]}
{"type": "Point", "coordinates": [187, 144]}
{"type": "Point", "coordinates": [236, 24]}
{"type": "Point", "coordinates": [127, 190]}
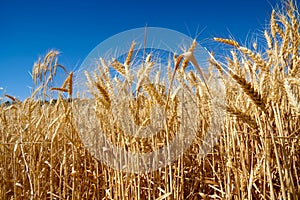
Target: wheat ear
{"type": "Point", "coordinates": [104, 93]}
{"type": "Point", "coordinates": [11, 97]}
{"type": "Point", "coordinates": [243, 116]}
{"type": "Point", "coordinates": [291, 97]}
{"type": "Point", "coordinates": [70, 84]}
{"type": "Point", "coordinates": [227, 41]}
{"type": "Point", "coordinates": [119, 67]}
{"type": "Point", "coordinates": [250, 91]}
{"type": "Point", "coordinates": [151, 90]}
{"type": "Point", "coordinates": [59, 89]}
{"type": "Point", "coordinates": [268, 39]}
{"type": "Point", "coordinates": [275, 27]}
{"type": "Point", "coordinates": [129, 56]}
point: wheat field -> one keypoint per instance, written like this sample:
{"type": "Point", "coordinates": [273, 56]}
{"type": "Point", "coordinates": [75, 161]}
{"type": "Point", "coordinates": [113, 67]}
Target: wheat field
{"type": "Point", "coordinates": [257, 156]}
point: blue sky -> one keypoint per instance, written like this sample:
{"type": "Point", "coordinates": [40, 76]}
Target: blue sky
{"type": "Point", "coordinates": [28, 29]}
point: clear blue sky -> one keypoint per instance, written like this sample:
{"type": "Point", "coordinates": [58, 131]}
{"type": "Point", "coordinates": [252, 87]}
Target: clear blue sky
{"type": "Point", "coordinates": [29, 28]}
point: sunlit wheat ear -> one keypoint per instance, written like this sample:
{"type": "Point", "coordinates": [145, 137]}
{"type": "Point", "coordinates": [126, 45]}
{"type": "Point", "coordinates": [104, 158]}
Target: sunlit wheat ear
{"type": "Point", "coordinates": [36, 71]}
{"type": "Point", "coordinates": [105, 67]}
{"type": "Point", "coordinates": [227, 41]}
{"type": "Point", "coordinates": [144, 72]}
{"type": "Point", "coordinates": [243, 116]}
{"type": "Point", "coordinates": [152, 91]}
{"type": "Point", "coordinates": [104, 93]}
{"type": "Point", "coordinates": [64, 85]}
{"type": "Point", "coordinates": [14, 99]}
{"type": "Point", "coordinates": [67, 85]}
{"type": "Point", "coordinates": [291, 97]}
{"type": "Point", "coordinates": [59, 89]}
{"type": "Point", "coordinates": [129, 57]}
{"type": "Point", "coordinates": [268, 39]}
{"type": "Point", "coordinates": [192, 78]}
{"type": "Point", "coordinates": [256, 57]}
{"type": "Point", "coordinates": [248, 88]}
{"type": "Point", "coordinates": [70, 85]}
{"type": "Point", "coordinates": [275, 28]}
{"type": "Point", "coordinates": [118, 67]}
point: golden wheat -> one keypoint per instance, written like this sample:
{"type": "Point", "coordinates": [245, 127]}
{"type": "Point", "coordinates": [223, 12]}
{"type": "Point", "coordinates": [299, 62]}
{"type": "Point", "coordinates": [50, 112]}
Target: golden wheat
{"type": "Point", "coordinates": [42, 154]}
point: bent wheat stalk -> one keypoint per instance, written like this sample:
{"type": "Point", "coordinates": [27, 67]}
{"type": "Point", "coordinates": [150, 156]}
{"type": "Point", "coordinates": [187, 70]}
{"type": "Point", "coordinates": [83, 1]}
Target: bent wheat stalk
{"type": "Point", "coordinates": [189, 56]}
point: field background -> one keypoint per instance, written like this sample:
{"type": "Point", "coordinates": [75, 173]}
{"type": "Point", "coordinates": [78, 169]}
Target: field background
{"type": "Point", "coordinates": [257, 156]}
